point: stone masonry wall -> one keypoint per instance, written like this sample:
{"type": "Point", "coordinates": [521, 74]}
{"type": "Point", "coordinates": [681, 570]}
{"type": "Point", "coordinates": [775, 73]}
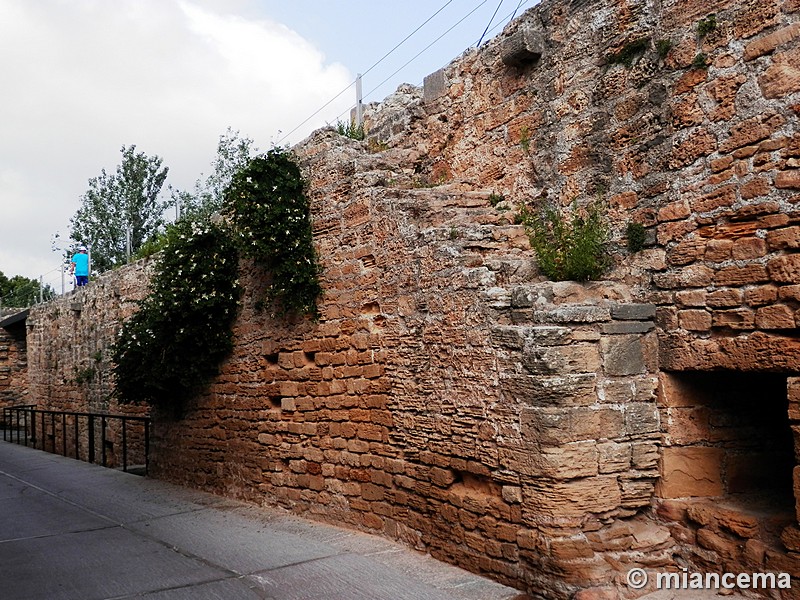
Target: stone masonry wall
{"type": "Point", "coordinates": [451, 398]}
{"type": "Point", "coordinates": [13, 365]}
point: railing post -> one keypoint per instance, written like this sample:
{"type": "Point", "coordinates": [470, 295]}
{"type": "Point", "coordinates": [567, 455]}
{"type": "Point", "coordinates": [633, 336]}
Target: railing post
{"type": "Point", "coordinates": [146, 446]}
{"type": "Point", "coordinates": [33, 428]}
{"type": "Point", "coordinates": [91, 438]}
{"type": "Point", "coordinates": [75, 420]}
{"type": "Point", "coordinates": [103, 438]}
{"type": "Point", "coordinates": [124, 446]}
{"type": "Point", "coordinates": [64, 433]}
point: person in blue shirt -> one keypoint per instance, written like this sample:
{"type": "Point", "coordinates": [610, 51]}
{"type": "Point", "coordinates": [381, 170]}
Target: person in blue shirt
{"type": "Point", "coordinates": [79, 266]}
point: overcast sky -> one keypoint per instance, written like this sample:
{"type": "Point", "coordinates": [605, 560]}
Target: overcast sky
{"type": "Point", "coordinates": [81, 78]}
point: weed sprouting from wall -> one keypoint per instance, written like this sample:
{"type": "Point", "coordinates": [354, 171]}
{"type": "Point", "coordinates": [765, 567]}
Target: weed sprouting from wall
{"type": "Point", "coordinates": [569, 246]}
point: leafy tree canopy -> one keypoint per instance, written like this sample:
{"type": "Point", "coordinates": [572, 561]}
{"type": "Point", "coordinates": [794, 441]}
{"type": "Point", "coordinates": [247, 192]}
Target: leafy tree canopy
{"type": "Point", "coordinates": [21, 292]}
{"type": "Point", "coordinates": [118, 204]}
{"type": "Point", "coordinates": [233, 154]}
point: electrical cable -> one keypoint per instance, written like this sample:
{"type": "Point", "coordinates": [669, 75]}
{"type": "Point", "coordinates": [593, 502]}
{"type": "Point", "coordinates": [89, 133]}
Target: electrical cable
{"type": "Point", "coordinates": [425, 49]}
{"type": "Point", "coordinates": [489, 24]}
{"type": "Point", "coordinates": [384, 57]}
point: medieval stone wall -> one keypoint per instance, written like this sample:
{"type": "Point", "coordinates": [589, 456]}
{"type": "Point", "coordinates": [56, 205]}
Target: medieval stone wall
{"type": "Point", "coordinates": [549, 435]}
{"type": "Point", "coordinates": [13, 365]}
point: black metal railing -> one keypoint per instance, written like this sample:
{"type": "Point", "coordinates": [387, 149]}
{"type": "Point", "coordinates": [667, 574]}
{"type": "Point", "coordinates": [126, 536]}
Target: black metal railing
{"type": "Point", "coordinates": [124, 440]}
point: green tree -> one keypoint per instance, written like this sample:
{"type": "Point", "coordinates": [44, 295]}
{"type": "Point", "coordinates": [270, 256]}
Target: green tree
{"type": "Point", "coordinates": [120, 204]}
{"type": "Point", "coordinates": [233, 154]}
{"type": "Point", "coordinates": [21, 292]}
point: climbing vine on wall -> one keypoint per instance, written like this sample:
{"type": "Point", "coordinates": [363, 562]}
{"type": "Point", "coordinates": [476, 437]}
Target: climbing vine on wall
{"type": "Point", "coordinates": [174, 344]}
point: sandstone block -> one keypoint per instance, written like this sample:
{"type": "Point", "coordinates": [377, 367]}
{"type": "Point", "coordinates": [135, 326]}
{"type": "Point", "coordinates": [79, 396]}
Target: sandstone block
{"type": "Point", "coordinates": [691, 471]}
{"type": "Point", "coordinates": [724, 196]}
{"type": "Point", "coordinates": [741, 318]}
{"type": "Point", "coordinates": [694, 320]}
{"type": "Point", "coordinates": [623, 355]}
{"type": "Point", "coordinates": [674, 211]}
{"type": "Point", "coordinates": [691, 298]}
{"type": "Point", "coordinates": [768, 43]}
{"type": "Point", "coordinates": [783, 76]}
{"type": "Point", "coordinates": [789, 179]}
{"type": "Point", "coordinates": [761, 295]}
{"type": "Point", "coordinates": [724, 298]}
{"type": "Point", "coordinates": [575, 498]}
{"type": "Point", "coordinates": [737, 276]}
{"type": "Point", "coordinates": [748, 248]}
{"type": "Point", "coordinates": [697, 144]}
{"type": "Point", "coordinates": [777, 316]}
{"type": "Point", "coordinates": [641, 418]}
{"type": "Point", "coordinates": [633, 312]}
{"type": "Point", "coordinates": [785, 269]}
{"type": "Point", "coordinates": [564, 390]}
{"type": "Point", "coordinates": [752, 130]}
{"type": "Point", "coordinates": [560, 360]}
{"type": "Point", "coordinates": [613, 457]}
{"type": "Point", "coordinates": [784, 238]}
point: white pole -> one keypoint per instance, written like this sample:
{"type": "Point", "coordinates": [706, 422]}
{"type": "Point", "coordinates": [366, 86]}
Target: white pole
{"type": "Point", "coordinates": [41, 289]}
{"type": "Point", "coordinates": [359, 106]}
{"type": "Point", "coordinates": [89, 260]}
{"type": "Point", "coordinates": [63, 268]}
{"type": "Point", "coordinates": [128, 241]}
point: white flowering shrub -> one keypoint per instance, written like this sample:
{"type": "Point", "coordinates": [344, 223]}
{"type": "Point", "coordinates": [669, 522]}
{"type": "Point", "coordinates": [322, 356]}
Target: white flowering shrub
{"type": "Point", "coordinates": [174, 344]}
{"type": "Point", "coordinates": [267, 205]}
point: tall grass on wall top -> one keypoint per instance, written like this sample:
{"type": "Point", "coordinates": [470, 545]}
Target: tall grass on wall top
{"type": "Point", "coordinates": [569, 246]}
{"type": "Point", "coordinates": [174, 344]}
{"type": "Point", "coordinates": [267, 205]}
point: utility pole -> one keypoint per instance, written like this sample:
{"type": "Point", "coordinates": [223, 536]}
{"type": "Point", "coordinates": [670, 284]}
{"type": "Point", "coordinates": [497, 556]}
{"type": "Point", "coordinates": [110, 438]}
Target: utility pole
{"type": "Point", "coordinates": [41, 289]}
{"type": "Point", "coordinates": [359, 105]}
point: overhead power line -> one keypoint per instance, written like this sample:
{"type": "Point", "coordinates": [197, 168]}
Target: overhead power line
{"type": "Point", "coordinates": [489, 24]}
{"type": "Point", "coordinates": [384, 57]}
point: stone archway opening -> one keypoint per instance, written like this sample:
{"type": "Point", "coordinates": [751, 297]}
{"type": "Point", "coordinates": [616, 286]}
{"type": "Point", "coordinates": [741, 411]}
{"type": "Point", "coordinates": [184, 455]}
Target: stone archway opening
{"type": "Point", "coordinates": [728, 455]}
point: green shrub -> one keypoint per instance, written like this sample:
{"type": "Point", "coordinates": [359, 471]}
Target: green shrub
{"type": "Point", "coordinates": [569, 247]}
{"type": "Point", "coordinates": [174, 344]}
{"type": "Point", "coordinates": [351, 130]}
{"type": "Point", "coordinates": [700, 61]}
{"type": "Point", "coordinates": [663, 47]}
{"type": "Point", "coordinates": [707, 25]}
{"type": "Point", "coordinates": [636, 236]}
{"type": "Point", "coordinates": [629, 52]}
{"type": "Point", "coordinates": [267, 204]}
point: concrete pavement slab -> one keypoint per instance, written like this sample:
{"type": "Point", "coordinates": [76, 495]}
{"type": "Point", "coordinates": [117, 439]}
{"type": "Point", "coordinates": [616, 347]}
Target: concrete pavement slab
{"type": "Point", "coordinates": [75, 531]}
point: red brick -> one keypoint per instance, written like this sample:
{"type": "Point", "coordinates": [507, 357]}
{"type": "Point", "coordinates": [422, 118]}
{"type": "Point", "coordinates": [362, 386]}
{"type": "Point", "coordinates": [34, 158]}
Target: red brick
{"type": "Point", "coordinates": [777, 316]}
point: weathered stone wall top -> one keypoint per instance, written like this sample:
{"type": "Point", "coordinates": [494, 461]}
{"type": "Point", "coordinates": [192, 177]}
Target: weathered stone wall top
{"type": "Point", "coordinates": [69, 340]}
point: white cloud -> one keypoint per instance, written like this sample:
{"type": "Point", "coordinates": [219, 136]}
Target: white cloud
{"type": "Point", "coordinates": [81, 78]}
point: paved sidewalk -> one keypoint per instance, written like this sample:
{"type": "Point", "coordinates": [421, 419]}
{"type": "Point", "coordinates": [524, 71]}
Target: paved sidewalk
{"type": "Point", "coordinates": [74, 531]}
